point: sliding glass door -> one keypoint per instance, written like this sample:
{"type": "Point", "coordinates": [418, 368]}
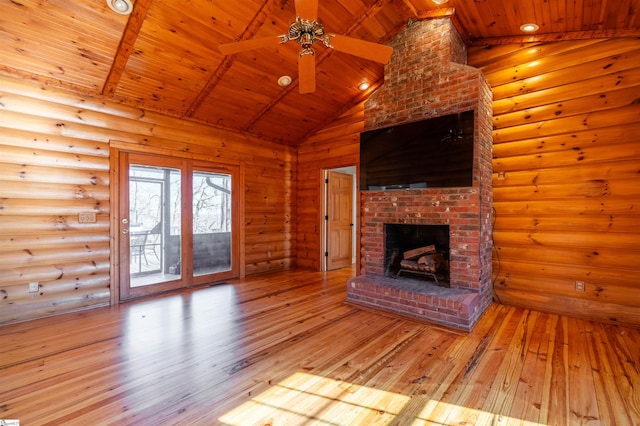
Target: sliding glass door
{"type": "Point", "coordinates": [177, 225]}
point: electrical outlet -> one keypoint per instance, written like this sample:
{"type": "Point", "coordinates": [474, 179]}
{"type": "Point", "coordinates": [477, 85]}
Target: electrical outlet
{"type": "Point", "coordinates": [34, 287]}
{"type": "Point", "coordinates": [89, 217]}
{"type": "Point", "coordinates": [579, 285]}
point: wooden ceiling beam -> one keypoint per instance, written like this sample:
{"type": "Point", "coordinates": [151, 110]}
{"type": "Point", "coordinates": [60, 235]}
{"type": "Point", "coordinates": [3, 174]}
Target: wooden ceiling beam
{"type": "Point", "coordinates": [372, 10]}
{"type": "Point", "coordinates": [409, 5]}
{"type": "Point", "coordinates": [441, 12]}
{"type": "Point", "coordinates": [128, 40]}
{"type": "Point", "coordinates": [254, 25]}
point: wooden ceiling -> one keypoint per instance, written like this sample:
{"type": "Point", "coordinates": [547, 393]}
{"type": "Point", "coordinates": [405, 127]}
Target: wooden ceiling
{"type": "Point", "coordinates": [164, 56]}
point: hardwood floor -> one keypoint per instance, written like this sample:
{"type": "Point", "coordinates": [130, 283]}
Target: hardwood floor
{"type": "Point", "coordinates": [284, 349]}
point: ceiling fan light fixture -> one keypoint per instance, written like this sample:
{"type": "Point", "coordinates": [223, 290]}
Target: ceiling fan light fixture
{"type": "Point", "coordinates": [123, 7]}
{"type": "Point", "coordinates": [284, 81]}
{"type": "Point", "coordinates": [307, 32]}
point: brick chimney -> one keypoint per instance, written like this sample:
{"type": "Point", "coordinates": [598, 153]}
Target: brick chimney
{"type": "Point", "coordinates": [426, 78]}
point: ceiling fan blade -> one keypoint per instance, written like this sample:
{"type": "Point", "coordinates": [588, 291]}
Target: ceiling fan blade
{"type": "Point", "coordinates": [363, 49]}
{"type": "Point", "coordinates": [244, 45]}
{"type": "Point", "coordinates": [307, 73]}
{"type": "Point", "coordinates": [307, 9]}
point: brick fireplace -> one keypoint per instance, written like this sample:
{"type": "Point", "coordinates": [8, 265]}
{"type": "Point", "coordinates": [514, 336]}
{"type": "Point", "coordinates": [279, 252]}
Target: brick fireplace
{"type": "Point", "coordinates": [426, 78]}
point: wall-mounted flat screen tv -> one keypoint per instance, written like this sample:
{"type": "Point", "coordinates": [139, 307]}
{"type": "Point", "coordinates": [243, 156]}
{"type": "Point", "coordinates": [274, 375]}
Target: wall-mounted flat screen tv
{"type": "Point", "coordinates": [433, 153]}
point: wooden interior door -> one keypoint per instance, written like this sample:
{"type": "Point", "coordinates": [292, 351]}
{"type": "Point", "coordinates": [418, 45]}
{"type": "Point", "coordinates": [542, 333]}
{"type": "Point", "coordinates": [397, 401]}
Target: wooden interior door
{"type": "Point", "coordinates": [339, 220]}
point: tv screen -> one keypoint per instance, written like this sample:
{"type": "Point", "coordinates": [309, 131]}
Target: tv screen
{"type": "Point", "coordinates": [433, 153]}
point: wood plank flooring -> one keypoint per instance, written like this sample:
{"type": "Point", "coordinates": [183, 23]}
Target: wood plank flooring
{"type": "Point", "coordinates": [284, 349]}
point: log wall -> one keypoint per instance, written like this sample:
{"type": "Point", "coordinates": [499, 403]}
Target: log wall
{"type": "Point", "coordinates": [54, 165]}
{"type": "Point", "coordinates": [566, 179]}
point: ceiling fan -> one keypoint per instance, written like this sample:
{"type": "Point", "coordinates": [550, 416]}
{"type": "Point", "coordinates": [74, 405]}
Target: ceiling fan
{"type": "Point", "coordinates": [306, 30]}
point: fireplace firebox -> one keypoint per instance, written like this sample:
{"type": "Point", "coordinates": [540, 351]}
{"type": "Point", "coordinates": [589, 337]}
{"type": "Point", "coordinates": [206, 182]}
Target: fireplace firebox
{"type": "Point", "coordinates": [417, 252]}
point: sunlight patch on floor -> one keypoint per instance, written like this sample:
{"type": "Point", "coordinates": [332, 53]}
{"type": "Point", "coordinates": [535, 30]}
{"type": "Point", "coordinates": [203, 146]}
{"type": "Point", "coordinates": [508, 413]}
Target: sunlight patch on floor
{"type": "Point", "coordinates": [304, 399]}
{"type": "Point", "coordinates": [442, 413]}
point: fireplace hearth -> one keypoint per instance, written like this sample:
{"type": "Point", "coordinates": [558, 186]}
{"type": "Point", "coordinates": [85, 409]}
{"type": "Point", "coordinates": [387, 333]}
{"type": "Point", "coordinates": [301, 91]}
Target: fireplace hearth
{"type": "Point", "coordinates": [426, 78]}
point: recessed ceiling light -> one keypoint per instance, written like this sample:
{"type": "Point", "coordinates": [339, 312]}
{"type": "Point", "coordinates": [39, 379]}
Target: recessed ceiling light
{"type": "Point", "coordinates": [439, 1]}
{"type": "Point", "coordinates": [284, 81]}
{"type": "Point", "coordinates": [363, 86]}
{"type": "Point", "coordinates": [529, 28]}
{"type": "Point", "coordinates": [123, 7]}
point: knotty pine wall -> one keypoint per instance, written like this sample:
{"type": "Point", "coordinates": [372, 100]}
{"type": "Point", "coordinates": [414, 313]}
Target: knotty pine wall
{"type": "Point", "coordinates": [567, 138]}
{"type": "Point", "coordinates": [54, 164]}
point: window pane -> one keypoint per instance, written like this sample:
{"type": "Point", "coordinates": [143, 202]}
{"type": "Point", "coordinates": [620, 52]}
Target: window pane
{"type": "Point", "coordinates": [211, 223]}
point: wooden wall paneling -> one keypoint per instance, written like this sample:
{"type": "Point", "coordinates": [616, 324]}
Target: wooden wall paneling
{"type": "Point", "coordinates": [271, 215]}
{"type": "Point", "coordinates": [538, 148]}
{"type": "Point", "coordinates": [565, 176]}
{"type": "Point", "coordinates": [57, 251]}
{"type": "Point", "coordinates": [44, 186]}
{"type": "Point", "coordinates": [627, 79]}
{"type": "Point", "coordinates": [21, 273]}
{"type": "Point", "coordinates": [37, 174]}
{"type": "Point", "coordinates": [556, 284]}
{"type": "Point", "coordinates": [337, 145]}
{"type": "Point", "coordinates": [48, 224]}
{"type": "Point", "coordinates": [489, 57]}
{"type": "Point", "coordinates": [569, 107]}
{"type": "Point", "coordinates": [564, 125]}
{"type": "Point", "coordinates": [54, 207]}
{"type": "Point", "coordinates": [533, 253]}
{"type": "Point", "coordinates": [55, 163]}
{"type": "Point", "coordinates": [616, 68]}
{"type": "Point", "coordinates": [621, 223]}
{"type": "Point", "coordinates": [579, 308]}
{"type": "Point", "coordinates": [555, 60]}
